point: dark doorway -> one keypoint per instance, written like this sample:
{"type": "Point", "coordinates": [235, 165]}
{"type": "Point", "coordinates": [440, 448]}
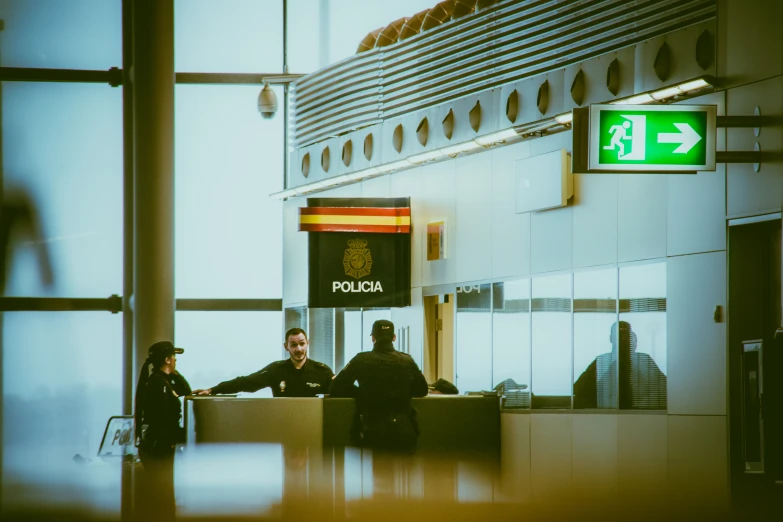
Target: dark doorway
{"type": "Point", "coordinates": [755, 361]}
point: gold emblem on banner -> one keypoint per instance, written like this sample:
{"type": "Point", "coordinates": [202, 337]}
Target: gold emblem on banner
{"type": "Point", "coordinates": [357, 260]}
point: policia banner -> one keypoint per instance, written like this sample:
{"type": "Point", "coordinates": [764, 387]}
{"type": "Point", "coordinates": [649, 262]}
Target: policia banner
{"type": "Point", "coordinates": [359, 252]}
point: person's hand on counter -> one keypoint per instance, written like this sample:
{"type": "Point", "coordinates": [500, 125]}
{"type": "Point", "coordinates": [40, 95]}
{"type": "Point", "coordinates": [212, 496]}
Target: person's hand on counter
{"type": "Point", "coordinates": [208, 391]}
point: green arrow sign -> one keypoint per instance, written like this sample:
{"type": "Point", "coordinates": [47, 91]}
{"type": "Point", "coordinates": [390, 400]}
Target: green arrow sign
{"type": "Point", "coordinates": [663, 138]}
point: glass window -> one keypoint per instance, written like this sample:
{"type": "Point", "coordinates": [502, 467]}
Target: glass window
{"type": "Point", "coordinates": [228, 161]}
{"type": "Point", "coordinates": [62, 147]}
{"type": "Point", "coordinates": [351, 337]}
{"type": "Point", "coordinates": [223, 345]}
{"type": "Point", "coordinates": [511, 342]}
{"type": "Point", "coordinates": [551, 384]}
{"type": "Point", "coordinates": [62, 380]}
{"type": "Point", "coordinates": [229, 36]}
{"type": "Point", "coordinates": [322, 335]}
{"type": "Point", "coordinates": [52, 34]}
{"type": "Point", "coordinates": [641, 336]}
{"type": "Point", "coordinates": [595, 357]}
{"type": "Point", "coordinates": [474, 337]}
{"type": "Point", "coordinates": [308, 30]}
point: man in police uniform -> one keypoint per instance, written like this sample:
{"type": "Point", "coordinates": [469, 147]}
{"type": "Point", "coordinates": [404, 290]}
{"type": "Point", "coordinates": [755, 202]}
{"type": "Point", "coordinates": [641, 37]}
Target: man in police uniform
{"type": "Point", "coordinates": [297, 376]}
{"type": "Point", "coordinates": [387, 380]}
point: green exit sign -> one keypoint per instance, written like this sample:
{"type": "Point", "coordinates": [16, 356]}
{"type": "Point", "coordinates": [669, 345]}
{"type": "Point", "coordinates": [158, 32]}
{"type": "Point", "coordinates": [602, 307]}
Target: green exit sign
{"type": "Point", "coordinates": [661, 138]}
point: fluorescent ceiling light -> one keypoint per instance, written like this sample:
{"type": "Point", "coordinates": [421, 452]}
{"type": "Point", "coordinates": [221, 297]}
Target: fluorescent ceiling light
{"type": "Point", "coordinates": [425, 157]}
{"type": "Point", "coordinates": [668, 92]}
{"type": "Point", "coordinates": [496, 137]}
{"type": "Point", "coordinates": [453, 150]}
{"type": "Point", "coordinates": [565, 118]}
{"type": "Point", "coordinates": [694, 85]}
{"type": "Point", "coordinates": [639, 99]}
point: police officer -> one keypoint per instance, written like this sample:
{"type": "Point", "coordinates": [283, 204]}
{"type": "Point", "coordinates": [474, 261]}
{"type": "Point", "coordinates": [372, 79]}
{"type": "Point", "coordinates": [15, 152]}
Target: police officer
{"type": "Point", "coordinates": [158, 408]}
{"type": "Point", "coordinates": [297, 376]}
{"type": "Point", "coordinates": [387, 380]}
{"type": "Point", "coordinates": [158, 431]}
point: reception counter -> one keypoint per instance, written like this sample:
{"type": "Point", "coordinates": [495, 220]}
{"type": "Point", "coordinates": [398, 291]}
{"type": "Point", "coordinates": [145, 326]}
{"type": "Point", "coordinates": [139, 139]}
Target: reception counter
{"type": "Point", "coordinates": [446, 423]}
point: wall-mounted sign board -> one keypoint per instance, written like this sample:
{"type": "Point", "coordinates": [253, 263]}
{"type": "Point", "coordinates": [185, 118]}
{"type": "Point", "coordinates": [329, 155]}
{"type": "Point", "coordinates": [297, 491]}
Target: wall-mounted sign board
{"type": "Point", "coordinates": [359, 252]}
{"type": "Point", "coordinates": [640, 138]}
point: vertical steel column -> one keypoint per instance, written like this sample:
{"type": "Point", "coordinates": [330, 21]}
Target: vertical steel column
{"type": "Point", "coordinates": [153, 110]}
{"type": "Point", "coordinates": [2, 286]}
{"type": "Point", "coordinates": [126, 479]}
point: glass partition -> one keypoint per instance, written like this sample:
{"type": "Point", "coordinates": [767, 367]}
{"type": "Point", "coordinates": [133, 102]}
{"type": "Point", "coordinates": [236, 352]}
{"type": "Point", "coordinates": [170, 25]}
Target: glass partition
{"type": "Point", "coordinates": [511, 342]}
{"type": "Point", "coordinates": [641, 337]}
{"type": "Point", "coordinates": [474, 337]}
{"type": "Point", "coordinates": [551, 319]}
{"type": "Point", "coordinates": [595, 357]}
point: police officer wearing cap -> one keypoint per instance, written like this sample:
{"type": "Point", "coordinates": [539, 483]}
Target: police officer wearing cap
{"type": "Point", "coordinates": [297, 376]}
{"type": "Point", "coordinates": [387, 380]}
{"type": "Point", "coordinates": [158, 431]}
{"type": "Point", "coordinates": [158, 408]}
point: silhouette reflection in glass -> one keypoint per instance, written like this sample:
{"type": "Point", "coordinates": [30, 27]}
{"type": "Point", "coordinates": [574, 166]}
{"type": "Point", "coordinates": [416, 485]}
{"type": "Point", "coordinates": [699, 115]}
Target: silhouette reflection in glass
{"type": "Point", "coordinates": [639, 384]}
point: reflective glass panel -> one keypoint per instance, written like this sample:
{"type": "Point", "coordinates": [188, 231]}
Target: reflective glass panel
{"type": "Point", "coordinates": [641, 336]}
{"type": "Point", "coordinates": [228, 161]}
{"type": "Point", "coordinates": [322, 335]}
{"type": "Point", "coordinates": [595, 357]}
{"type": "Point", "coordinates": [53, 34]}
{"type": "Point", "coordinates": [352, 335]}
{"type": "Point", "coordinates": [551, 306]}
{"type": "Point", "coordinates": [511, 342]}
{"type": "Point", "coordinates": [62, 379]}
{"type": "Point", "coordinates": [62, 160]}
{"type": "Point", "coordinates": [222, 345]}
{"type": "Point", "coordinates": [230, 36]}
{"type": "Point", "coordinates": [474, 337]}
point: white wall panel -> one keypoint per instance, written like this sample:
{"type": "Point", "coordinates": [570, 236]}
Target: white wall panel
{"type": "Point", "coordinates": [749, 191]}
{"type": "Point", "coordinates": [550, 455]}
{"type": "Point", "coordinates": [698, 463]}
{"type": "Point", "coordinates": [379, 187]}
{"type": "Point", "coordinates": [642, 456]}
{"type": "Point", "coordinates": [696, 212]}
{"type": "Point", "coordinates": [408, 184]}
{"type": "Point", "coordinates": [641, 216]}
{"type": "Point", "coordinates": [595, 219]}
{"type": "Point", "coordinates": [515, 457]}
{"type": "Point", "coordinates": [438, 195]}
{"type": "Point", "coordinates": [294, 254]}
{"type": "Point", "coordinates": [473, 242]}
{"type": "Point", "coordinates": [551, 240]}
{"type": "Point", "coordinates": [696, 345]}
{"type": "Point", "coordinates": [510, 236]}
{"type": "Point", "coordinates": [595, 457]}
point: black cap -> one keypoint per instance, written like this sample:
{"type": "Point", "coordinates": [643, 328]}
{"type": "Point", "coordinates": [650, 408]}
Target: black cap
{"type": "Point", "coordinates": [163, 349]}
{"type": "Point", "coordinates": [382, 327]}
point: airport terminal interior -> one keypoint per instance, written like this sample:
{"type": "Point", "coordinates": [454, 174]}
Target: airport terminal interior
{"type": "Point", "coordinates": [570, 210]}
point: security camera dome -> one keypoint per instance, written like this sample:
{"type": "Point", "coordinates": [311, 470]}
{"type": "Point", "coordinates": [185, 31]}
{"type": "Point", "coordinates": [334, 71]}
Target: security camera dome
{"type": "Point", "coordinates": [267, 102]}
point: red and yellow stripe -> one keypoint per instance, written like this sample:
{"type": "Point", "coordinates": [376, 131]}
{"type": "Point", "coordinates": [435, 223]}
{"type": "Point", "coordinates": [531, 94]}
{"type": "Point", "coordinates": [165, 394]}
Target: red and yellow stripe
{"type": "Point", "coordinates": [383, 220]}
